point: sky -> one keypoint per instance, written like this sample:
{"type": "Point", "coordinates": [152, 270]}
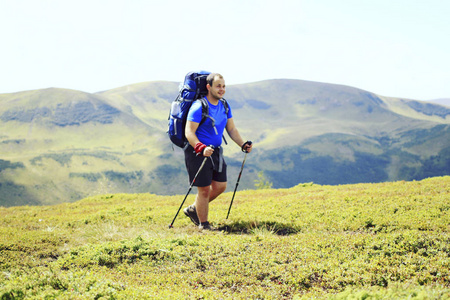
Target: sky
{"type": "Point", "coordinates": [396, 48]}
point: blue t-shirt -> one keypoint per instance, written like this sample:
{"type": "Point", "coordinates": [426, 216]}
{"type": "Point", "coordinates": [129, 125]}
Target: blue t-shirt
{"type": "Point", "coordinates": [206, 132]}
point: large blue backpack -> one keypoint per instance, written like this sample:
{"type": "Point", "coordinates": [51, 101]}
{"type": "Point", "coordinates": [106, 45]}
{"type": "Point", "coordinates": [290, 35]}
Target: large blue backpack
{"type": "Point", "coordinates": [192, 89]}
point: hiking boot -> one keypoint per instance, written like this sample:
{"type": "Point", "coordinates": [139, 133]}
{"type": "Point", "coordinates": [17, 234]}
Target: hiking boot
{"type": "Point", "coordinates": [205, 226]}
{"type": "Point", "coordinates": [191, 212]}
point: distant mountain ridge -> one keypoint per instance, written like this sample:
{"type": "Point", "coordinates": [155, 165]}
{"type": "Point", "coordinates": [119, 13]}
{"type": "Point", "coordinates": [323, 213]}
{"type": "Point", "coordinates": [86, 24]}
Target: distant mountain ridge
{"type": "Point", "coordinates": [443, 101]}
{"type": "Point", "coordinates": [59, 145]}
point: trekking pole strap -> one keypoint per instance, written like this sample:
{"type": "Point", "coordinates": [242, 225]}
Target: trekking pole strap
{"type": "Point", "coordinates": [243, 148]}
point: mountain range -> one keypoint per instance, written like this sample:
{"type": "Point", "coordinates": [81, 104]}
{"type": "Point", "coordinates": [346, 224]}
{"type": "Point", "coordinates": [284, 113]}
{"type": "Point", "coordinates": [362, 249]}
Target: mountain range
{"type": "Point", "coordinates": [441, 101]}
{"type": "Point", "coordinates": [60, 145]}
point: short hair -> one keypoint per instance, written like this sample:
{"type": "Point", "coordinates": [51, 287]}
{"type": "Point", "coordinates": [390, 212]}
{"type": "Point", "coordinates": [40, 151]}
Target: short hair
{"type": "Point", "coordinates": [211, 77]}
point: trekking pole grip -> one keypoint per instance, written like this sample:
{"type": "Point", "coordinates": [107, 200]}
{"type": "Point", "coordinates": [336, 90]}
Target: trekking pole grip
{"type": "Point", "coordinates": [244, 148]}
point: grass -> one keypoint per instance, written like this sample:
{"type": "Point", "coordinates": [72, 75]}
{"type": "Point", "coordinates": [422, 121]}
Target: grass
{"type": "Point", "coordinates": [362, 241]}
{"type": "Point", "coordinates": [338, 123]}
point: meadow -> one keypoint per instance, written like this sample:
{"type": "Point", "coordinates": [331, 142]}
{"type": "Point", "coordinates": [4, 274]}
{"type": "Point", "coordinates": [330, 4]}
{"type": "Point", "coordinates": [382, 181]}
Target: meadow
{"type": "Point", "coordinates": [361, 241]}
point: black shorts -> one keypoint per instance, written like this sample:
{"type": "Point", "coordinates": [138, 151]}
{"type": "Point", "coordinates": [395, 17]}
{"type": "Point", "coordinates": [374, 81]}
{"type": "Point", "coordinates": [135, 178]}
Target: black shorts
{"type": "Point", "coordinates": [215, 167]}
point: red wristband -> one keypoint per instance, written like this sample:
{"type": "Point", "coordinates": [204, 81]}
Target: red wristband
{"type": "Point", "coordinates": [199, 147]}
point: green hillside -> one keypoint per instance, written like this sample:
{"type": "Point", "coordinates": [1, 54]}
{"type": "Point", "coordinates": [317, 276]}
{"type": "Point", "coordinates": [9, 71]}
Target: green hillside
{"type": "Point", "coordinates": [148, 101]}
{"type": "Point", "coordinates": [361, 241]}
{"type": "Point", "coordinates": [68, 145]}
{"type": "Point", "coordinates": [59, 145]}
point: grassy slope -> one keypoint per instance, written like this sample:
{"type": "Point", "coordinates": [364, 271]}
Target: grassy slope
{"type": "Point", "coordinates": [150, 102]}
{"type": "Point", "coordinates": [133, 154]}
{"type": "Point", "coordinates": [60, 163]}
{"type": "Point", "coordinates": [387, 240]}
{"type": "Point", "coordinates": [303, 109]}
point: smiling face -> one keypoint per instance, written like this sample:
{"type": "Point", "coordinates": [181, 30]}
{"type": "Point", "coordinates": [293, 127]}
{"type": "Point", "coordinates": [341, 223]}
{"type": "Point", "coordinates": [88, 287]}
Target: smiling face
{"type": "Point", "coordinates": [216, 90]}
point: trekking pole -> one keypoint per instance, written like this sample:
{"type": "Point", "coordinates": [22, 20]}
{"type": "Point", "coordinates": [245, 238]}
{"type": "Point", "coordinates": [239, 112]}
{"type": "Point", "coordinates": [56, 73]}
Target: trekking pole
{"type": "Point", "coordinates": [190, 188]}
{"type": "Point", "coordinates": [239, 178]}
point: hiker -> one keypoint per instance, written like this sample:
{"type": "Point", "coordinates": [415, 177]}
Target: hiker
{"type": "Point", "coordinates": [205, 140]}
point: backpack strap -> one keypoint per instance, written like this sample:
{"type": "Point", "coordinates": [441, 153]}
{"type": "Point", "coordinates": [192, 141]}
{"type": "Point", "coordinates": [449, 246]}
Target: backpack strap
{"type": "Point", "coordinates": [225, 105]}
{"type": "Point", "coordinates": [205, 111]}
{"type": "Point", "coordinates": [205, 114]}
{"type": "Point", "coordinates": [227, 108]}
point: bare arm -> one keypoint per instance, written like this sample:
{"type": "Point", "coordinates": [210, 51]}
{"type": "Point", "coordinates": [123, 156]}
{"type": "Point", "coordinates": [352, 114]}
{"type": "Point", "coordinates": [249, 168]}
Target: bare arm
{"type": "Point", "coordinates": [189, 132]}
{"type": "Point", "coordinates": [235, 135]}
